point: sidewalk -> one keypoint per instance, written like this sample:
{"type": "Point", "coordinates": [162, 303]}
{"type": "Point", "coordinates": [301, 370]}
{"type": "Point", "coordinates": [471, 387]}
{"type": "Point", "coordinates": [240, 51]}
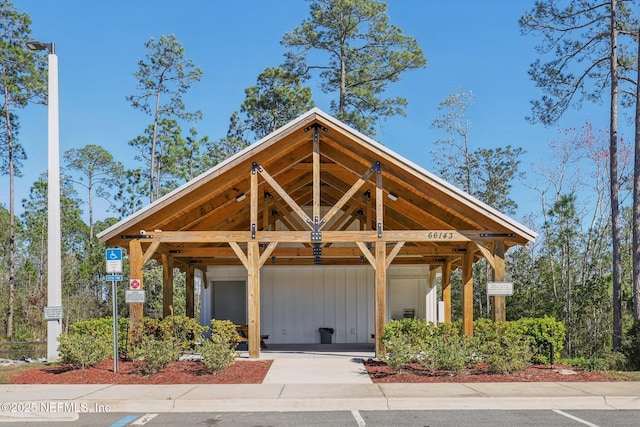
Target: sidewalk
{"type": "Point", "coordinates": [45, 399]}
{"type": "Point", "coordinates": [313, 381]}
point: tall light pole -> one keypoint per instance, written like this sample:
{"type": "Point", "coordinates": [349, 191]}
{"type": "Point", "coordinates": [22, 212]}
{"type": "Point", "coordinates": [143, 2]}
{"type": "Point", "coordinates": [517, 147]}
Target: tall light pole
{"type": "Point", "coordinates": [53, 311]}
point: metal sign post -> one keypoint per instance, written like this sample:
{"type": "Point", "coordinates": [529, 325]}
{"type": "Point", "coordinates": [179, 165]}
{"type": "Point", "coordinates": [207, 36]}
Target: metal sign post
{"type": "Point", "coordinates": [114, 297]}
{"type": "Point", "coordinates": [114, 266]}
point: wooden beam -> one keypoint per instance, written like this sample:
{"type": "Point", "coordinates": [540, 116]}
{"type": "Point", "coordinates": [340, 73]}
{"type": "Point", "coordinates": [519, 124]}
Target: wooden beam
{"type": "Point", "coordinates": [253, 205]}
{"type": "Point", "coordinates": [189, 292]}
{"type": "Point", "coordinates": [394, 252]}
{"type": "Point", "coordinates": [253, 296]}
{"type": "Point", "coordinates": [467, 292]}
{"type": "Point", "coordinates": [367, 254]}
{"type": "Point", "coordinates": [380, 297]}
{"type": "Point", "coordinates": [436, 236]}
{"type": "Point", "coordinates": [135, 309]}
{"type": "Point", "coordinates": [267, 253]}
{"type": "Point", "coordinates": [150, 251]}
{"type": "Point", "coordinates": [486, 253]}
{"type": "Point", "coordinates": [167, 285]}
{"type": "Point", "coordinates": [266, 215]}
{"type": "Point", "coordinates": [330, 251]}
{"type": "Point", "coordinates": [282, 261]}
{"type": "Point", "coordinates": [446, 290]}
{"type": "Point", "coordinates": [379, 202]}
{"type": "Point", "coordinates": [498, 302]}
{"type": "Point", "coordinates": [346, 215]}
{"type": "Point", "coordinates": [316, 176]}
{"type": "Point", "coordinates": [285, 196]}
{"type": "Point", "coordinates": [348, 195]}
{"type": "Point", "coordinates": [286, 214]}
{"type": "Point", "coordinates": [240, 254]}
{"type": "Point", "coordinates": [368, 214]}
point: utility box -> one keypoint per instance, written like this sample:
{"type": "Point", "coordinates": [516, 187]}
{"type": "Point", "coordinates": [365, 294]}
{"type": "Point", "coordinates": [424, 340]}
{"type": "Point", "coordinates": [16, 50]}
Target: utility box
{"type": "Point", "coordinates": [325, 335]}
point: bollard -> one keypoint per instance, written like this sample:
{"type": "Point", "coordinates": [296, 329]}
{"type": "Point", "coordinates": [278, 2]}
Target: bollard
{"type": "Point", "coordinates": [547, 345]}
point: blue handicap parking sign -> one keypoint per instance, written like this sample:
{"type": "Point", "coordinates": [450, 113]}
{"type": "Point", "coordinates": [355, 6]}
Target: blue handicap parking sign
{"type": "Point", "coordinates": [114, 254]}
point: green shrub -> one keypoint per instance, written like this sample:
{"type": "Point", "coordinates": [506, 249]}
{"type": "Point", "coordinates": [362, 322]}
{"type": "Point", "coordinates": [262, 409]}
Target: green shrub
{"type": "Point", "coordinates": [181, 331]}
{"type": "Point", "coordinates": [153, 354]}
{"type": "Point", "coordinates": [225, 331]}
{"type": "Point", "coordinates": [102, 329]}
{"type": "Point", "coordinates": [82, 350]}
{"type": "Point", "coordinates": [151, 328]}
{"type": "Point", "coordinates": [449, 329]}
{"type": "Point", "coordinates": [504, 346]}
{"type": "Point", "coordinates": [405, 339]}
{"type": "Point", "coordinates": [631, 346]}
{"type": "Point", "coordinates": [414, 332]}
{"type": "Point", "coordinates": [217, 354]}
{"type": "Point", "coordinates": [508, 353]}
{"type": "Point", "coordinates": [541, 330]}
{"type": "Point", "coordinates": [450, 353]}
{"type": "Point", "coordinates": [455, 353]}
{"type": "Point", "coordinates": [187, 332]}
{"type": "Point", "coordinates": [399, 351]}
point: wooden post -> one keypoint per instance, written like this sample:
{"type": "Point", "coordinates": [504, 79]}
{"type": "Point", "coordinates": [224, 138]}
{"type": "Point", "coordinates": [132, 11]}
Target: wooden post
{"type": "Point", "coordinates": [167, 285]}
{"type": "Point", "coordinates": [381, 269]}
{"type": "Point", "coordinates": [431, 297]}
{"type": "Point", "coordinates": [253, 295]}
{"type": "Point", "coordinates": [498, 302]}
{"type": "Point", "coordinates": [136, 263]}
{"type": "Point", "coordinates": [380, 296]}
{"type": "Point", "coordinates": [253, 275]}
{"type": "Point", "coordinates": [189, 292]}
{"type": "Point", "coordinates": [316, 175]}
{"type": "Point", "coordinates": [467, 292]}
{"type": "Point", "coordinates": [446, 290]}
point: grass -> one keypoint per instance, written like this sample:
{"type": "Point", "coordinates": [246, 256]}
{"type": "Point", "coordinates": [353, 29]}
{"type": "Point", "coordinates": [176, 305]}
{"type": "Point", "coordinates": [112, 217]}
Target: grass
{"type": "Point", "coordinates": [626, 375]}
{"type": "Point", "coordinates": [7, 372]}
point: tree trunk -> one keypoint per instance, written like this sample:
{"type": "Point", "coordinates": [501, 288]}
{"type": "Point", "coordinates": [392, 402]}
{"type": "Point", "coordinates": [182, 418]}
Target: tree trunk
{"type": "Point", "coordinates": [153, 192]}
{"type": "Point", "coordinates": [613, 171]}
{"type": "Point", "coordinates": [343, 85]}
{"type": "Point", "coordinates": [90, 186]}
{"type": "Point", "coordinates": [12, 221]}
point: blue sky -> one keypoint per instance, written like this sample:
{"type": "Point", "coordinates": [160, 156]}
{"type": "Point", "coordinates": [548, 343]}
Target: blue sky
{"type": "Point", "coordinates": [470, 44]}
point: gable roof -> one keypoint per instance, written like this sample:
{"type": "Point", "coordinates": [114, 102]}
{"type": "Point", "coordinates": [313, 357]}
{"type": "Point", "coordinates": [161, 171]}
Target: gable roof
{"type": "Point", "coordinates": [415, 198]}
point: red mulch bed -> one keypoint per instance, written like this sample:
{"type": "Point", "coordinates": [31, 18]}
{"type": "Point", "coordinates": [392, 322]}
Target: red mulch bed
{"type": "Point", "coordinates": [253, 372]}
{"type": "Point", "coordinates": [183, 372]}
{"type": "Point", "coordinates": [415, 373]}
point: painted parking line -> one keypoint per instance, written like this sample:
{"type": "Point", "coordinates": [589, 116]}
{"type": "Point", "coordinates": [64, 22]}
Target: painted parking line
{"type": "Point", "coordinates": [144, 419]}
{"type": "Point", "coordinates": [358, 418]}
{"type": "Point", "coordinates": [124, 421]}
{"type": "Point", "coordinates": [574, 418]}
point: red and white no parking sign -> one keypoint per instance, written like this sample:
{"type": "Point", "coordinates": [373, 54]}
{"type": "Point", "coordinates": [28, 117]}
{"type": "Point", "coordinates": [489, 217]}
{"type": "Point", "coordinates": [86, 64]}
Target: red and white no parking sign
{"type": "Point", "coordinates": [134, 283]}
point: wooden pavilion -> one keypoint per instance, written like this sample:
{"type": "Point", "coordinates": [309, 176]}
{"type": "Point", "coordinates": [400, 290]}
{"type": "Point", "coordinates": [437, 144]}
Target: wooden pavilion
{"type": "Point", "coordinates": [317, 193]}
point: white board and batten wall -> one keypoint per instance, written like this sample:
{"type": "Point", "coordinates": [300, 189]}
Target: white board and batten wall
{"type": "Point", "coordinates": [296, 301]}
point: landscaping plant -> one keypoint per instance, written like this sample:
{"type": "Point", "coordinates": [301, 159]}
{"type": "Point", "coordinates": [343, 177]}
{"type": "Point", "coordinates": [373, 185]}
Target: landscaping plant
{"type": "Point", "coordinates": [153, 354]}
{"type": "Point", "coordinates": [83, 350]}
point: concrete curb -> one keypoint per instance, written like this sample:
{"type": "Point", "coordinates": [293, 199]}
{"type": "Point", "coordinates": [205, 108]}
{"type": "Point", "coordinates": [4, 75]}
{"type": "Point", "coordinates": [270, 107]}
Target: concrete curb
{"type": "Point", "coordinates": [62, 401]}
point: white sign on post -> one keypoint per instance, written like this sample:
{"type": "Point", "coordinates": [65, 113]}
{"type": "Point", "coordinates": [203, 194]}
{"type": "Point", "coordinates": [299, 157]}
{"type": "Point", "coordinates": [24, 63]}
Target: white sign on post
{"type": "Point", "coordinates": [114, 260]}
{"type": "Point", "coordinates": [499, 288]}
{"type": "Point", "coordinates": [53, 313]}
{"type": "Point", "coordinates": [134, 296]}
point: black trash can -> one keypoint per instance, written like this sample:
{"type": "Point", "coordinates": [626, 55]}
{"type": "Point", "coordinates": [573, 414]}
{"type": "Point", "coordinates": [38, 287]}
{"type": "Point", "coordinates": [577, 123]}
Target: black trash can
{"type": "Point", "coordinates": [325, 335]}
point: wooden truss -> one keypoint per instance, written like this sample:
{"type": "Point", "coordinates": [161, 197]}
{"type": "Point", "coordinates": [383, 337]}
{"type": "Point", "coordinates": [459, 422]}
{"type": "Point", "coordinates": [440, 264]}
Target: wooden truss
{"type": "Point", "coordinates": [315, 194]}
